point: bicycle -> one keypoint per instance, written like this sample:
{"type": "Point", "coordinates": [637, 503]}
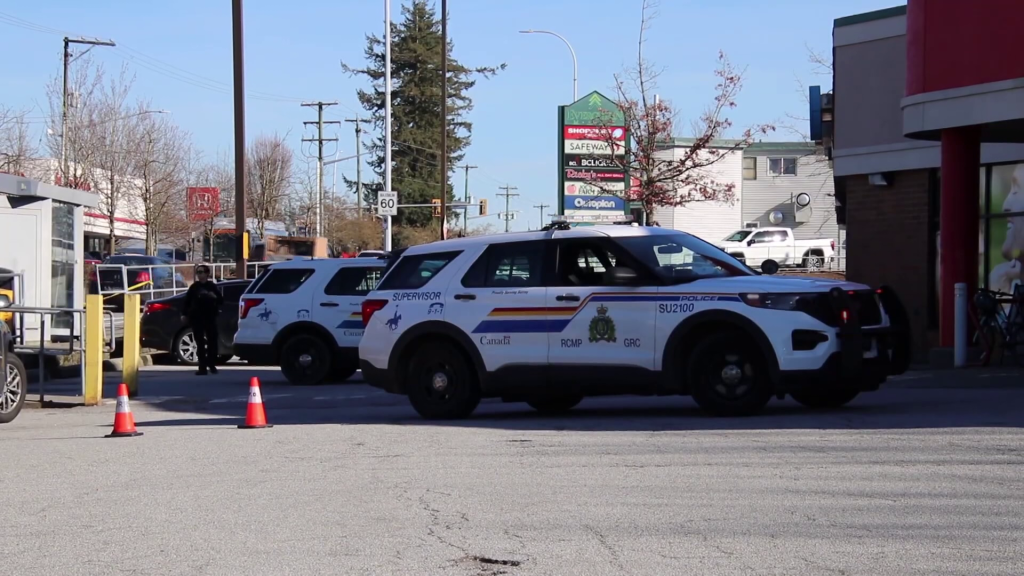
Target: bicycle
{"type": "Point", "coordinates": [1000, 323]}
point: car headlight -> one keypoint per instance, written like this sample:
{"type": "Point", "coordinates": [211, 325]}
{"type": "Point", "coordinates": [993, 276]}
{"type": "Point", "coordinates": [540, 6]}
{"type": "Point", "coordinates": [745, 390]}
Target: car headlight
{"type": "Point", "coordinates": [798, 302]}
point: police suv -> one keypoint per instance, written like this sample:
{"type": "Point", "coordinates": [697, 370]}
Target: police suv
{"type": "Point", "coordinates": [550, 317]}
{"type": "Point", "coordinates": [304, 315]}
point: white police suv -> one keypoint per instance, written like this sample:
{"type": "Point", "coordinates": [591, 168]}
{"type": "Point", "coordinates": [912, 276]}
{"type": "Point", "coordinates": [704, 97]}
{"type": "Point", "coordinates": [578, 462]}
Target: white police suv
{"type": "Point", "coordinates": [304, 315]}
{"type": "Point", "coordinates": [550, 317]}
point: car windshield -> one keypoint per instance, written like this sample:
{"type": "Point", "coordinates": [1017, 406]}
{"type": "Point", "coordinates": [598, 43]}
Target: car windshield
{"type": "Point", "coordinates": [679, 257]}
{"type": "Point", "coordinates": [737, 236]}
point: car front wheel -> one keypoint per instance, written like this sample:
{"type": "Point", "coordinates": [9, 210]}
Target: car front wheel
{"type": "Point", "coordinates": [305, 360]}
{"type": "Point", "coordinates": [728, 375]}
{"type": "Point", "coordinates": [185, 349]}
{"type": "Point", "coordinates": [12, 394]}
{"type": "Point", "coordinates": [441, 383]}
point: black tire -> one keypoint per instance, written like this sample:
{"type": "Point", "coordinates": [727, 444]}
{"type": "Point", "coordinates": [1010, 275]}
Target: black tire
{"type": "Point", "coordinates": [823, 398]}
{"type": "Point", "coordinates": [554, 404]}
{"type": "Point", "coordinates": [306, 360]}
{"type": "Point", "coordinates": [769, 267]}
{"type": "Point", "coordinates": [441, 382]}
{"type": "Point", "coordinates": [814, 261]}
{"type": "Point", "coordinates": [728, 375]}
{"type": "Point", "coordinates": [12, 399]}
{"type": "Point", "coordinates": [184, 348]}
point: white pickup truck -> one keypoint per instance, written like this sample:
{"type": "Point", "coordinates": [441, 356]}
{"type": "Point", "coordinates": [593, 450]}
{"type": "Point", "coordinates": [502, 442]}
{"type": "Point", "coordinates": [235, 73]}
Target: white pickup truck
{"type": "Point", "coordinates": [771, 248]}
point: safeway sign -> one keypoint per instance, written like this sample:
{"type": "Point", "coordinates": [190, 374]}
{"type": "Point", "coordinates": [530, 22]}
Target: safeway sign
{"type": "Point", "coordinates": [591, 134]}
{"type": "Point", "coordinates": [203, 203]}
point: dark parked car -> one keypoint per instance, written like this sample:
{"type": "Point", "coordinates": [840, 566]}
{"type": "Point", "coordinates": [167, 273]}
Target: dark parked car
{"type": "Point", "coordinates": [164, 279]}
{"type": "Point", "coordinates": [162, 328]}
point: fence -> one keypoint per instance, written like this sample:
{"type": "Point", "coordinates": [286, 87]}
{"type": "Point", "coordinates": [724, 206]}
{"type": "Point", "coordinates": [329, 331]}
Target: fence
{"type": "Point", "coordinates": [75, 342]}
{"type": "Point", "coordinates": [783, 260]}
{"type": "Point", "coordinates": [156, 281]}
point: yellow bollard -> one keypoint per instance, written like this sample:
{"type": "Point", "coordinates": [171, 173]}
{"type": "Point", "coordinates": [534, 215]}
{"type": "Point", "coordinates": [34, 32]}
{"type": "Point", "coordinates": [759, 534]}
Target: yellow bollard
{"type": "Point", "coordinates": [93, 336]}
{"type": "Point", "coordinates": [132, 343]}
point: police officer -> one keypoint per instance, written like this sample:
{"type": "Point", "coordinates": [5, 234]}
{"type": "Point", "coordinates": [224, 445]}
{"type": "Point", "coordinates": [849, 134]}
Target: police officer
{"type": "Point", "coordinates": [202, 306]}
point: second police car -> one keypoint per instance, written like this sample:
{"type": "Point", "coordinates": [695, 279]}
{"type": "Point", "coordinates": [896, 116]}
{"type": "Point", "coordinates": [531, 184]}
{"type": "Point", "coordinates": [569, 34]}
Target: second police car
{"type": "Point", "coordinates": [550, 317]}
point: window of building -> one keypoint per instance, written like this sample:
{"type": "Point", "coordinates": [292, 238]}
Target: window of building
{"type": "Point", "coordinates": [782, 166]}
{"type": "Point", "coordinates": [750, 168]}
{"type": "Point", "coordinates": [62, 262]}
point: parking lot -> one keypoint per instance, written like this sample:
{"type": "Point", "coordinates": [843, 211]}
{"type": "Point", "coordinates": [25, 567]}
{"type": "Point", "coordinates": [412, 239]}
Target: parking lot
{"type": "Point", "coordinates": [921, 478]}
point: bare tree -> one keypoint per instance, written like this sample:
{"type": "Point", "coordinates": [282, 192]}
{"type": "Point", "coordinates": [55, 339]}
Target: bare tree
{"type": "Point", "coordinates": [158, 161]}
{"type": "Point", "coordinates": [110, 130]}
{"type": "Point", "coordinates": [16, 148]}
{"type": "Point", "coordinates": [300, 205]}
{"type": "Point", "coordinates": [660, 179]}
{"type": "Point", "coordinates": [218, 173]}
{"type": "Point", "coordinates": [85, 95]}
{"type": "Point", "coordinates": [268, 178]}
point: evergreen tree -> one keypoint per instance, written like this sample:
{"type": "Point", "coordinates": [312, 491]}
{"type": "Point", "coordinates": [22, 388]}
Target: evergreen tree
{"type": "Point", "coordinates": [416, 111]}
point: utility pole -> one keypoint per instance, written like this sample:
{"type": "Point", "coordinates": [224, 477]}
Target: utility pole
{"type": "Point", "coordinates": [465, 212]}
{"type": "Point", "coordinates": [319, 229]}
{"type": "Point", "coordinates": [359, 161]}
{"type": "Point", "coordinates": [508, 194]}
{"type": "Point", "coordinates": [387, 118]}
{"type": "Point", "coordinates": [64, 179]}
{"type": "Point", "coordinates": [444, 118]}
{"type": "Point", "coordinates": [241, 248]}
{"type": "Point", "coordinates": [541, 207]}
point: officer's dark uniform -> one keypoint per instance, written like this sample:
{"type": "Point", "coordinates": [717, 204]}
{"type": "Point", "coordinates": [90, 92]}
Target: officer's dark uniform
{"type": "Point", "coordinates": [202, 306]}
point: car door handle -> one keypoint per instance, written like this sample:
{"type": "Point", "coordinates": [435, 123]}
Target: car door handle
{"type": "Point", "coordinates": [329, 304]}
{"type": "Point", "coordinates": [567, 298]}
{"type": "Point", "coordinates": [465, 296]}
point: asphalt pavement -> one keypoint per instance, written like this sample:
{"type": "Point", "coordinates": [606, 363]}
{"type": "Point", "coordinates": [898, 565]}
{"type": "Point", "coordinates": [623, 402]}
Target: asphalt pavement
{"type": "Point", "coordinates": [920, 478]}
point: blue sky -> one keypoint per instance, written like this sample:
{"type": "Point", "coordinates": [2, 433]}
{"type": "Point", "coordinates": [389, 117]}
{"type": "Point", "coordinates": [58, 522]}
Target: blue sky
{"type": "Point", "coordinates": [293, 50]}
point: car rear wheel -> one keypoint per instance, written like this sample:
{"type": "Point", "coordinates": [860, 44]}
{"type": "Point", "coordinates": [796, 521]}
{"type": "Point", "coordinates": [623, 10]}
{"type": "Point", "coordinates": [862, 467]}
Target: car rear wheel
{"type": "Point", "coordinates": [305, 360]}
{"type": "Point", "coordinates": [185, 349]}
{"type": "Point", "coordinates": [441, 383]}
{"type": "Point", "coordinates": [825, 397]}
{"type": "Point", "coordinates": [12, 393]}
{"type": "Point", "coordinates": [728, 376]}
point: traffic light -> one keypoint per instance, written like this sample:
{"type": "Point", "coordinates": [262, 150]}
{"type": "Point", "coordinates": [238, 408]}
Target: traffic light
{"type": "Point", "coordinates": [483, 206]}
{"type": "Point", "coordinates": [437, 207]}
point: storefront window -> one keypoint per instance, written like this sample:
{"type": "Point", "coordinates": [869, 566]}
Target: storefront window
{"type": "Point", "coordinates": [1005, 217]}
{"type": "Point", "coordinates": [62, 290]}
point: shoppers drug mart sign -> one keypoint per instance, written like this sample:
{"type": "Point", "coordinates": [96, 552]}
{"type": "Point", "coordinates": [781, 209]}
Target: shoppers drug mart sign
{"type": "Point", "coordinates": [591, 134]}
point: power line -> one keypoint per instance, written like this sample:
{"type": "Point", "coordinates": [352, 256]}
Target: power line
{"type": "Point", "coordinates": [319, 122]}
{"type": "Point", "coordinates": [541, 207]}
{"type": "Point", "coordinates": [508, 215]}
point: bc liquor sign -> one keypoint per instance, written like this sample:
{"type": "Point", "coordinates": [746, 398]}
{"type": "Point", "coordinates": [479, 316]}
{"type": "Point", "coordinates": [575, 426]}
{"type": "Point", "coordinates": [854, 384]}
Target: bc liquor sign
{"type": "Point", "coordinates": [592, 139]}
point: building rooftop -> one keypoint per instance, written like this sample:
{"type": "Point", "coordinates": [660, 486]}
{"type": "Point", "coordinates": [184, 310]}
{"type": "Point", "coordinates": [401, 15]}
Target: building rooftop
{"type": "Point", "coordinates": [870, 16]}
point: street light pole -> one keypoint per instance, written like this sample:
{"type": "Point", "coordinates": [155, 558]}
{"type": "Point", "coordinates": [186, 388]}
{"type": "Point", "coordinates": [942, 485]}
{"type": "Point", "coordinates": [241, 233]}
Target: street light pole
{"type": "Point", "coordinates": [387, 117]}
{"type": "Point", "coordinates": [239, 69]}
{"type": "Point", "coordinates": [571, 51]}
{"type": "Point", "coordinates": [64, 100]}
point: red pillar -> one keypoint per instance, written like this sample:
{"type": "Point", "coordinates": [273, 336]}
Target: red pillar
{"type": "Point", "coordinates": [958, 213]}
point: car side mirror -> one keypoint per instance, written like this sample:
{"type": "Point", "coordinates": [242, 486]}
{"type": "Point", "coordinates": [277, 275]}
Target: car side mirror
{"type": "Point", "coordinates": [750, 242]}
{"type": "Point", "coordinates": [5, 301]}
{"type": "Point", "coordinates": [620, 276]}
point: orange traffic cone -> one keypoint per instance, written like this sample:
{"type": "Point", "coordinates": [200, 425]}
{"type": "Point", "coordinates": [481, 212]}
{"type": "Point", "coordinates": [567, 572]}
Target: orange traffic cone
{"type": "Point", "coordinates": [255, 416]}
{"type": "Point", "coordinates": [124, 422]}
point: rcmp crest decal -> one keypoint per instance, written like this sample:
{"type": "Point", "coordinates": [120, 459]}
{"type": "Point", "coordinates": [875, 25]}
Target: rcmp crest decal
{"type": "Point", "coordinates": [602, 327]}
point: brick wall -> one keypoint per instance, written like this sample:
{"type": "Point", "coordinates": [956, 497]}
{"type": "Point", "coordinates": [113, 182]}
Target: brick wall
{"type": "Point", "coordinates": [887, 235]}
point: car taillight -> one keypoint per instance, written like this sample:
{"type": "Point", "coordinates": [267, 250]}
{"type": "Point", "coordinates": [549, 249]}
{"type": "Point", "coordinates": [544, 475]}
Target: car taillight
{"type": "Point", "coordinates": [369, 307]}
{"type": "Point", "coordinates": [833, 245]}
{"type": "Point", "coordinates": [247, 304]}
{"type": "Point", "coordinates": [156, 307]}
{"type": "Point", "coordinates": [142, 277]}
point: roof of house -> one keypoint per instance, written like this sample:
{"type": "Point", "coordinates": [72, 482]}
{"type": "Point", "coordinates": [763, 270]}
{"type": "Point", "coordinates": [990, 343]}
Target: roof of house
{"type": "Point", "coordinates": [870, 16]}
{"type": "Point", "coordinates": [755, 148]}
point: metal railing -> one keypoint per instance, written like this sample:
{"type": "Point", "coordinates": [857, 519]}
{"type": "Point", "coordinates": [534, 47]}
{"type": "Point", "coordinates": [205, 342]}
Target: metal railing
{"type": "Point", "coordinates": [75, 342]}
{"type": "Point", "coordinates": [157, 281]}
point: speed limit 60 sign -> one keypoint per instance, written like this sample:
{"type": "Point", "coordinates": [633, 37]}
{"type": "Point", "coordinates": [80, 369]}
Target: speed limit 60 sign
{"type": "Point", "coordinates": [387, 203]}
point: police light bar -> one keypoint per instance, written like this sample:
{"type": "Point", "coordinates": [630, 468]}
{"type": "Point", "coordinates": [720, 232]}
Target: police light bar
{"type": "Point", "coordinates": [597, 218]}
